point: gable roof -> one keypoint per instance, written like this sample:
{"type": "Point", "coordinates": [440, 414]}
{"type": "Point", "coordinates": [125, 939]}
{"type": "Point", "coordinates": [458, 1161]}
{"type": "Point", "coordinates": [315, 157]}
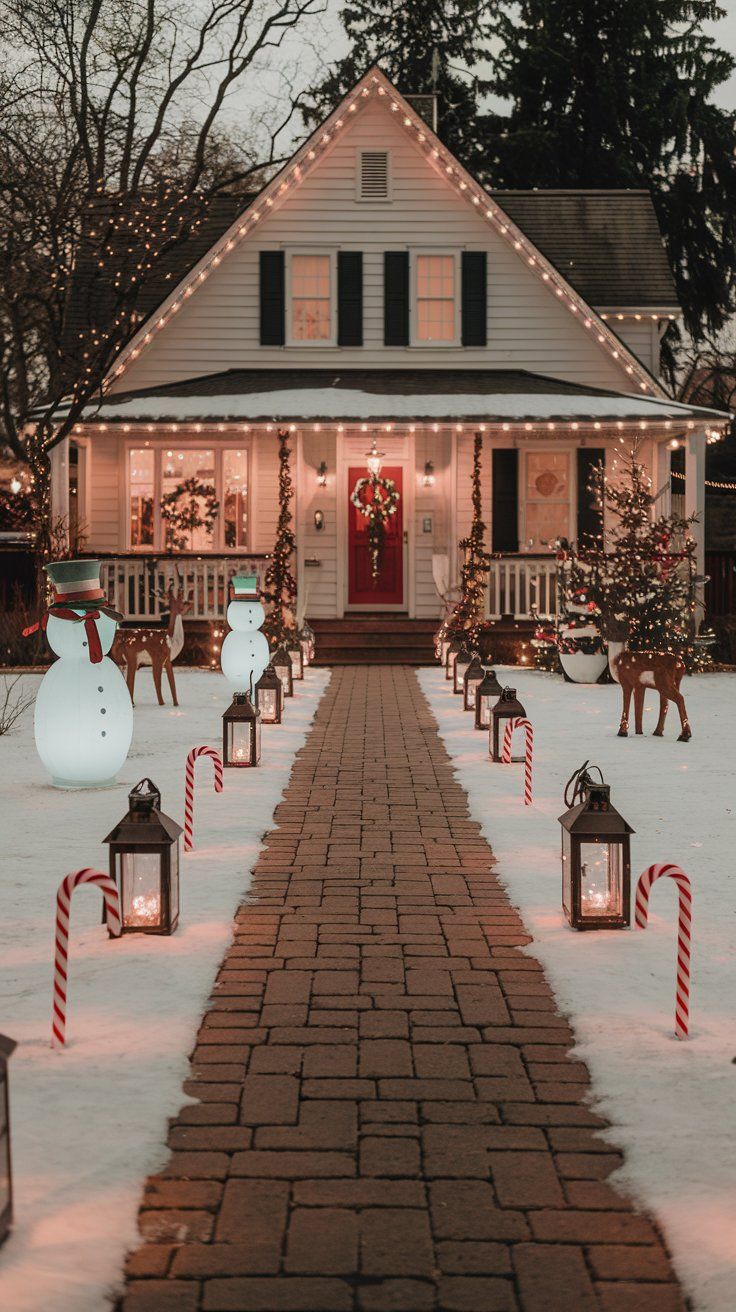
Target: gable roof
{"type": "Point", "coordinates": [375, 83]}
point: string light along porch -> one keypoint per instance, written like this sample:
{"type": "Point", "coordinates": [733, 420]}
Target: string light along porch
{"type": "Point", "coordinates": [472, 680]}
{"type": "Point", "coordinates": [144, 863]}
{"type": "Point", "coordinates": [486, 695]}
{"type": "Point", "coordinates": [281, 662]}
{"type": "Point", "coordinates": [7, 1048]}
{"type": "Point", "coordinates": [596, 856]}
{"type": "Point", "coordinates": [377, 500]}
{"type": "Point", "coordinates": [508, 707]}
{"type": "Point", "coordinates": [270, 696]}
{"type": "Point", "coordinates": [462, 661]}
{"type": "Point", "coordinates": [241, 733]}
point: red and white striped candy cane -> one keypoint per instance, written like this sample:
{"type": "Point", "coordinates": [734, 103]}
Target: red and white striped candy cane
{"type": "Point", "coordinates": [684, 892]}
{"type": "Point", "coordinates": [508, 733]}
{"type": "Point", "coordinates": [61, 956]}
{"type": "Point", "coordinates": [189, 788]}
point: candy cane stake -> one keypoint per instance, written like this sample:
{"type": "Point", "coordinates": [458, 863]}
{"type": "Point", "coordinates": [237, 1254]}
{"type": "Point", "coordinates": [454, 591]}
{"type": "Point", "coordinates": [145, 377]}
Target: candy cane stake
{"type": "Point", "coordinates": [508, 733]}
{"type": "Point", "coordinates": [189, 788]}
{"type": "Point", "coordinates": [61, 956]}
{"type": "Point", "coordinates": [684, 892]}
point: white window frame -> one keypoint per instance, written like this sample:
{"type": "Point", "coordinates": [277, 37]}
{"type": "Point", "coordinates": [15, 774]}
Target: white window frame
{"type": "Point", "coordinates": [414, 254]}
{"type": "Point", "coordinates": [537, 448]}
{"type": "Point", "coordinates": [204, 441]}
{"type": "Point", "coordinates": [303, 341]}
{"type": "Point", "coordinates": [360, 151]}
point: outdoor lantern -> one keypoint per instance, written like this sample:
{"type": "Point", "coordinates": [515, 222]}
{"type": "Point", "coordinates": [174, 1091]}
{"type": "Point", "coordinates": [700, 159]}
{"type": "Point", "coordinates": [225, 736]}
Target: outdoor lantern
{"type": "Point", "coordinates": [144, 862]}
{"type": "Point", "coordinates": [7, 1048]}
{"type": "Point", "coordinates": [462, 661]}
{"type": "Point", "coordinates": [471, 680]}
{"type": "Point", "coordinates": [596, 859]}
{"type": "Point", "coordinates": [296, 656]}
{"type": "Point", "coordinates": [281, 662]}
{"type": "Point", "coordinates": [450, 655]}
{"type": "Point", "coordinates": [270, 696]}
{"type": "Point", "coordinates": [488, 690]}
{"type": "Point", "coordinates": [508, 707]}
{"type": "Point", "coordinates": [241, 733]}
{"type": "Point", "coordinates": [306, 638]}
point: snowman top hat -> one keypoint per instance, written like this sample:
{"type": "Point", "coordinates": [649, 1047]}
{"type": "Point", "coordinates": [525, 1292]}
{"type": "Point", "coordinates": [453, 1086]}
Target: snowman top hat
{"type": "Point", "coordinates": [244, 587]}
{"type": "Point", "coordinates": [76, 583]}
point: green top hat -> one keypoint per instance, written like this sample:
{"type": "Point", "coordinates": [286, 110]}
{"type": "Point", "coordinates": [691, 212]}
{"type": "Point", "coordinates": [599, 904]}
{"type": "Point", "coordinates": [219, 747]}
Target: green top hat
{"type": "Point", "coordinates": [76, 583]}
{"type": "Point", "coordinates": [245, 587]}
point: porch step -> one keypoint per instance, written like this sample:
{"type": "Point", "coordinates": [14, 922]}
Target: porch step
{"type": "Point", "coordinates": [375, 639]}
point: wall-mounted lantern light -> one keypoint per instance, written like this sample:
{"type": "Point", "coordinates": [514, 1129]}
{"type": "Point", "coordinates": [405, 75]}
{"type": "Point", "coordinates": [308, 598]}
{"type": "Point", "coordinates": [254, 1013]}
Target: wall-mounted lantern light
{"type": "Point", "coordinates": [428, 479]}
{"type": "Point", "coordinates": [319, 520]}
{"type": "Point", "coordinates": [322, 474]}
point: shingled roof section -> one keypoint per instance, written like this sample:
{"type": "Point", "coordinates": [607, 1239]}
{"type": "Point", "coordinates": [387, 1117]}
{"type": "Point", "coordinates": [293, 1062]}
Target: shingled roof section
{"type": "Point", "coordinates": [607, 244]}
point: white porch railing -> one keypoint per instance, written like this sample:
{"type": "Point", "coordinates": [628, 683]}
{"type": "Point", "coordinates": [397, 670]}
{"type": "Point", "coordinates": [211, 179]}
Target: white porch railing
{"type": "Point", "coordinates": [519, 583]}
{"type": "Point", "coordinates": [133, 582]}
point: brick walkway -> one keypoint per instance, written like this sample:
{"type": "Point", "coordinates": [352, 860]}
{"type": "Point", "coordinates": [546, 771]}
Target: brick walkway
{"type": "Point", "coordinates": [389, 1120]}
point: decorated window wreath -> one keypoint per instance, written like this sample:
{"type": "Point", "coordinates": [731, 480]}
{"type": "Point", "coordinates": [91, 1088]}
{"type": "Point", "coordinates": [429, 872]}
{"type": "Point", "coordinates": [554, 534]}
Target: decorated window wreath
{"type": "Point", "coordinates": [191, 505]}
{"type": "Point", "coordinates": [377, 500]}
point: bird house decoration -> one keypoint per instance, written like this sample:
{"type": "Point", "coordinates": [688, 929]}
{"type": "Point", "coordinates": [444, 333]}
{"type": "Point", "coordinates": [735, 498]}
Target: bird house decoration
{"type": "Point", "coordinates": [462, 661]}
{"type": "Point", "coordinates": [450, 657]}
{"type": "Point", "coordinates": [241, 733]}
{"type": "Point", "coordinates": [270, 696]}
{"type": "Point", "coordinates": [144, 862]}
{"type": "Point", "coordinates": [471, 681]}
{"type": "Point", "coordinates": [596, 857]}
{"type": "Point", "coordinates": [486, 695]}
{"type": "Point", "coordinates": [508, 707]}
{"type": "Point", "coordinates": [7, 1048]}
{"type": "Point", "coordinates": [281, 662]}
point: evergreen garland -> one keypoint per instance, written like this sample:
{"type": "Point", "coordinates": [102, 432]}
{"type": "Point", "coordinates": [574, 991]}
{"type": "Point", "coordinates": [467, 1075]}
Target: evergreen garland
{"type": "Point", "coordinates": [467, 619]}
{"type": "Point", "coordinates": [279, 585]}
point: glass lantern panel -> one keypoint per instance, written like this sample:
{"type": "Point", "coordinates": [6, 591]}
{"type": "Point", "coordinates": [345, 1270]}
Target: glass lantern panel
{"type": "Point", "coordinates": [459, 675]}
{"type": "Point", "coordinates": [258, 741]}
{"type": "Point", "coordinates": [268, 703]}
{"type": "Point", "coordinates": [296, 660]}
{"type": "Point", "coordinates": [470, 693]}
{"type": "Point", "coordinates": [140, 888]}
{"type": "Point", "coordinates": [566, 873]}
{"type": "Point", "coordinates": [238, 742]}
{"type": "Point", "coordinates": [3, 1106]}
{"type": "Point", "coordinates": [486, 702]}
{"type": "Point", "coordinates": [174, 885]}
{"type": "Point", "coordinates": [4, 1169]}
{"type": "Point", "coordinates": [601, 879]}
{"type": "Point", "coordinates": [284, 677]}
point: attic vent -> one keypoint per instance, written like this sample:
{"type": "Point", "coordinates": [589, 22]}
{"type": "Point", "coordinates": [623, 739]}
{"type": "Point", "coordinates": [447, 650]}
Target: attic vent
{"type": "Point", "coordinates": [373, 175]}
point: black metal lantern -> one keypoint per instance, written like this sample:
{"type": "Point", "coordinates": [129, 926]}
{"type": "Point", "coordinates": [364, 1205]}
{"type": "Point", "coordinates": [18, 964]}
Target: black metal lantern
{"type": "Point", "coordinates": [270, 696]}
{"type": "Point", "coordinates": [462, 661]}
{"type": "Point", "coordinates": [281, 662]}
{"type": "Point", "coordinates": [7, 1048]}
{"type": "Point", "coordinates": [144, 862]}
{"type": "Point", "coordinates": [296, 656]}
{"type": "Point", "coordinates": [596, 856]}
{"type": "Point", "coordinates": [508, 707]}
{"type": "Point", "coordinates": [241, 733]}
{"type": "Point", "coordinates": [452, 651]}
{"type": "Point", "coordinates": [471, 681]}
{"type": "Point", "coordinates": [486, 694]}
{"type": "Point", "coordinates": [307, 640]}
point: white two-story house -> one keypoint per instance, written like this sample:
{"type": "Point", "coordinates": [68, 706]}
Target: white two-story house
{"type": "Point", "coordinates": [373, 290]}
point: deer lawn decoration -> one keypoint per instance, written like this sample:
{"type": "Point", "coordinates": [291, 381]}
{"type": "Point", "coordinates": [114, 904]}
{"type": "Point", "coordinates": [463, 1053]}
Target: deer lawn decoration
{"type": "Point", "coordinates": [638, 670]}
{"type": "Point", "coordinates": [155, 647]}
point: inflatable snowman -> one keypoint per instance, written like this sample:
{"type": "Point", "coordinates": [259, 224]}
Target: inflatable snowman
{"type": "Point", "coordinates": [245, 652]}
{"type": "Point", "coordinates": [84, 715]}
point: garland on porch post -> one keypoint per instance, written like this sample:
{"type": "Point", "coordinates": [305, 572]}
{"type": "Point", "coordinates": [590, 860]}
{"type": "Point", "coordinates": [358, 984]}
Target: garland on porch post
{"type": "Point", "coordinates": [467, 619]}
{"type": "Point", "coordinates": [279, 584]}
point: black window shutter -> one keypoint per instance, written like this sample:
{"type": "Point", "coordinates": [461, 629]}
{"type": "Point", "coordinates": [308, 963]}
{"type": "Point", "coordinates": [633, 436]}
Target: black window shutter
{"type": "Point", "coordinates": [474, 298]}
{"type": "Point", "coordinates": [590, 518]}
{"type": "Point", "coordinates": [349, 298]}
{"type": "Point", "coordinates": [396, 298]}
{"type": "Point", "coordinates": [272, 298]}
{"type": "Point", "coordinates": [505, 522]}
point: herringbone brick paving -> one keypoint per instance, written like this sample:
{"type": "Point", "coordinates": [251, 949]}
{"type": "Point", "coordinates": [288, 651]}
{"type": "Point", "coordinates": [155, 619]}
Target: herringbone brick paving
{"type": "Point", "coordinates": [389, 1119]}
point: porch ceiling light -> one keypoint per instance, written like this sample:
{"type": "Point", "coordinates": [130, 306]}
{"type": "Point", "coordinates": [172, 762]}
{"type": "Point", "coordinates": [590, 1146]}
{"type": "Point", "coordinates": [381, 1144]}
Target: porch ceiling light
{"type": "Point", "coordinates": [374, 460]}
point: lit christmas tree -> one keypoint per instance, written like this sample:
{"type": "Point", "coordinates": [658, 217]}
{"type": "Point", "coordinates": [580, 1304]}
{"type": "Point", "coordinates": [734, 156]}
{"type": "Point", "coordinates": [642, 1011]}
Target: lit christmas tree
{"type": "Point", "coordinates": [279, 585]}
{"type": "Point", "coordinates": [467, 619]}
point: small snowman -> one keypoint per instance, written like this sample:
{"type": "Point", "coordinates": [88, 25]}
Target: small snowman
{"type": "Point", "coordinates": [245, 652]}
{"type": "Point", "coordinates": [84, 715]}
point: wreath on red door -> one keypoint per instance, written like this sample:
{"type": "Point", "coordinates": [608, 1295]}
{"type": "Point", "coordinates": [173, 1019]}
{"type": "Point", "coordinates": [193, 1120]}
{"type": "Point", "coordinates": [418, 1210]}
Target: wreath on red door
{"type": "Point", "coordinates": [377, 500]}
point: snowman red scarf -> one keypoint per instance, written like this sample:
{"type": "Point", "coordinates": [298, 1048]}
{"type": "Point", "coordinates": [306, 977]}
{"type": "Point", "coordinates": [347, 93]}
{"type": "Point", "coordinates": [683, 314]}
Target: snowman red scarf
{"type": "Point", "coordinates": [61, 612]}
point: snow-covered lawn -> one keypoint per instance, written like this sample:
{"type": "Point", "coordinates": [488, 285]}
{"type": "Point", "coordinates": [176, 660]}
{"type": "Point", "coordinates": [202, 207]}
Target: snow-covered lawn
{"type": "Point", "coordinates": [672, 1104]}
{"type": "Point", "coordinates": [89, 1123]}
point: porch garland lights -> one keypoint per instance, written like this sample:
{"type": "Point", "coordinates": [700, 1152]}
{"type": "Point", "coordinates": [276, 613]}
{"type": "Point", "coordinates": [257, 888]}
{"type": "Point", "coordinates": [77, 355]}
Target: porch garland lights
{"type": "Point", "coordinates": [293, 173]}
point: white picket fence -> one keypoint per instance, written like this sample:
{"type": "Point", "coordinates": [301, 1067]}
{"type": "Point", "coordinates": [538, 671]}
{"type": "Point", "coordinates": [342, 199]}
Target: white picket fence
{"type": "Point", "coordinates": [133, 583]}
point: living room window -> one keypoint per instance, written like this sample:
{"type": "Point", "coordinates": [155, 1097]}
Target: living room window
{"type": "Point", "coordinates": [190, 479]}
{"type": "Point", "coordinates": [547, 501]}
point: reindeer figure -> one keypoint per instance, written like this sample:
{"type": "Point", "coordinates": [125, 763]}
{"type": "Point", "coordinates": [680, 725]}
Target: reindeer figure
{"type": "Point", "coordinates": [155, 647]}
{"type": "Point", "coordinates": [638, 670]}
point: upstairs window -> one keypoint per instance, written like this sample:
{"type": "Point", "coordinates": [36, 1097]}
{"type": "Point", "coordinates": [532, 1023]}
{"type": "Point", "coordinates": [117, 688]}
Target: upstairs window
{"type": "Point", "coordinates": [436, 299]}
{"type": "Point", "coordinates": [373, 175]}
{"type": "Point", "coordinates": [311, 279]}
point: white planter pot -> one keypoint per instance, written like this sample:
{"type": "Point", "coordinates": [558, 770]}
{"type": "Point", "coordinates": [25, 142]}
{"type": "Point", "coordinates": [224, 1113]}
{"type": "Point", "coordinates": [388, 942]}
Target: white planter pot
{"type": "Point", "coordinates": [583, 668]}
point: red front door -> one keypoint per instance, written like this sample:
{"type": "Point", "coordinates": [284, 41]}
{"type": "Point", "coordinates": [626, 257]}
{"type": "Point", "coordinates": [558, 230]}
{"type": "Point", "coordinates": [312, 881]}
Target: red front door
{"type": "Point", "coordinates": [388, 588]}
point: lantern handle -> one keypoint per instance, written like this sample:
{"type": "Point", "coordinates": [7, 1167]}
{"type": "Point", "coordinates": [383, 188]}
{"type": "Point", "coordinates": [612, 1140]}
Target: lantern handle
{"type": "Point", "coordinates": [578, 781]}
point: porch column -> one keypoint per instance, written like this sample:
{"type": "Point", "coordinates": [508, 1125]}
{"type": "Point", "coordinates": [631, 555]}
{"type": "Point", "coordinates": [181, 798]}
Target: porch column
{"type": "Point", "coordinates": [59, 457]}
{"type": "Point", "coordinates": [662, 479]}
{"type": "Point", "coordinates": [695, 493]}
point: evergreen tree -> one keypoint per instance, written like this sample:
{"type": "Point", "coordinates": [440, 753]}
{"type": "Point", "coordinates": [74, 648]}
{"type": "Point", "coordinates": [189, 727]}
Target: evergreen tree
{"type": "Point", "coordinates": [423, 46]}
{"type": "Point", "coordinates": [618, 93]}
{"type": "Point", "coordinates": [279, 585]}
{"type": "Point", "coordinates": [466, 621]}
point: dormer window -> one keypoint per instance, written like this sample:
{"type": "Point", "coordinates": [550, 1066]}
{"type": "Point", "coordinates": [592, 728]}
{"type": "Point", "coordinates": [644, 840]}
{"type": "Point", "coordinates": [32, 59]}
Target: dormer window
{"type": "Point", "coordinates": [311, 297]}
{"type": "Point", "coordinates": [436, 298]}
{"type": "Point", "coordinates": [373, 175]}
